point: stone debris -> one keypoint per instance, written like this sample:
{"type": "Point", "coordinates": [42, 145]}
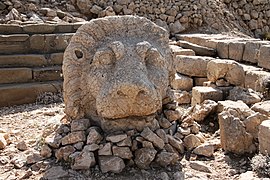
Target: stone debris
{"type": "Point", "coordinates": [204, 150]}
{"type": "Point", "coordinates": [200, 166]}
{"type": "Point", "coordinates": [263, 136]}
{"type": "Point", "coordinates": [111, 164]}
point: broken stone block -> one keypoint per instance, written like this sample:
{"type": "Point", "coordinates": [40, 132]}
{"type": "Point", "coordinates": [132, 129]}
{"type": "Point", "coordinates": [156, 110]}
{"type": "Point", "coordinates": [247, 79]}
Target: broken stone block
{"type": "Point", "coordinates": [229, 70]}
{"type": "Point", "coordinates": [64, 152]}
{"type": "Point", "coordinates": [105, 150]}
{"type": "Point", "coordinates": [198, 81]}
{"type": "Point", "coordinates": [255, 80]}
{"type": "Point", "coordinates": [144, 157]}
{"type": "Point", "coordinates": [236, 50]}
{"type": "Point", "coordinates": [122, 152]}
{"type": "Point", "coordinates": [94, 136]}
{"type": "Point", "coordinates": [177, 144]}
{"type": "Point", "coordinates": [223, 49]}
{"type": "Point", "coordinates": [162, 134]}
{"type": "Point", "coordinates": [200, 93]}
{"type": "Point", "coordinates": [84, 160]}
{"type": "Point", "coordinates": [46, 151]}
{"type": "Point", "coordinates": [182, 97]}
{"type": "Point", "coordinates": [111, 164]}
{"type": "Point", "coordinates": [166, 158]}
{"type": "Point", "coordinates": [264, 137]}
{"type": "Point", "coordinates": [248, 96]}
{"type": "Point", "coordinates": [233, 135]}
{"type": "Point", "coordinates": [164, 123]}
{"type": "Point", "coordinates": [200, 112]}
{"type": "Point", "coordinates": [251, 51]}
{"type": "Point", "coordinates": [228, 104]}
{"type": "Point", "coordinates": [152, 137]}
{"type": "Point", "coordinates": [74, 137]}
{"type": "Point", "coordinates": [182, 82]}
{"type": "Point", "coordinates": [263, 59]}
{"type": "Point", "coordinates": [262, 107]}
{"type": "Point", "coordinates": [191, 141]}
{"type": "Point", "coordinates": [80, 125]}
{"type": "Point", "coordinates": [116, 138]}
{"type": "Point", "coordinates": [91, 147]}
{"type": "Point", "coordinates": [22, 146]}
{"type": "Point", "coordinates": [200, 166]}
{"type": "Point", "coordinates": [192, 65]}
{"type": "Point", "coordinates": [53, 140]}
{"type": "Point", "coordinates": [125, 142]}
{"type": "Point", "coordinates": [172, 115]}
{"type": "Point", "coordinates": [204, 150]}
{"type": "Point", "coordinates": [199, 50]}
{"type": "Point", "coordinates": [3, 142]}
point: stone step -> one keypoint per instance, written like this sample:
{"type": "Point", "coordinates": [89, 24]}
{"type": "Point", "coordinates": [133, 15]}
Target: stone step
{"type": "Point", "coordinates": [40, 28]}
{"type": "Point", "coordinates": [16, 94]}
{"type": "Point", "coordinates": [31, 60]}
{"type": "Point", "coordinates": [36, 43]}
{"type": "Point", "coordinates": [25, 74]}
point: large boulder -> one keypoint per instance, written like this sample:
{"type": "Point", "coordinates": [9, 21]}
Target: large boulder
{"type": "Point", "coordinates": [116, 68]}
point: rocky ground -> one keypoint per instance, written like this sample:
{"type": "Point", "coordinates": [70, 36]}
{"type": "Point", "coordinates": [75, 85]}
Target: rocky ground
{"type": "Point", "coordinates": [26, 127]}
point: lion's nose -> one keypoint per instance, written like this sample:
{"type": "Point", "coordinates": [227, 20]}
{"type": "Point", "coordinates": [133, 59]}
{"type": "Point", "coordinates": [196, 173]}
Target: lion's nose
{"type": "Point", "coordinates": [132, 91]}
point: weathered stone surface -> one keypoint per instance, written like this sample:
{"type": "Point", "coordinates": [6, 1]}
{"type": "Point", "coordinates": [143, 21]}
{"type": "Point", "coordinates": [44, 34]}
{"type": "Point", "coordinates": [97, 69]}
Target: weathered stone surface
{"type": "Point", "coordinates": [22, 146]}
{"type": "Point", "coordinates": [162, 134]}
{"type": "Point", "coordinates": [166, 158]}
{"type": "Point", "coordinates": [205, 150]}
{"type": "Point", "coordinates": [122, 152]}
{"type": "Point", "coordinates": [229, 70]}
{"type": "Point", "coordinates": [74, 137]}
{"type": "Point", "coordinates": [133, 89]}
{"type": "Point", "coordinates": [192, 65]}
{"type": "Point", "coordinates": [172, 115]}
{"type": "Point", "coordinates": [47, 73]}
{"type": "Point", "coordinates": [56, 172]}
{"type": "Point", "coordinates": [263, 59]}
{"type": "Point", "coordinates": [177, 144]}
{"type": "Point", "coordinates": [248, 96]}
{"type": "Point", "coordinates": [39, 28]}
{"type": "Point", "coordinates": [236, 50]}
{"type": "Point", "coordinates": [182, 97]}
{"type": "Point", "coordinates": [200, 112]}
{"type": "Point", "coordinates": [200, 166]}
{"type": "Point", "coordinates": [125, 142]}
{"type": "Point", "coordinates": [33, 157]}
{"type": "Point", "coordinates": [228, 104]}
{"type": "Point", "coordinates": [53, 140]}
{"type": "Point", "coordinates": [251, 51]}
{"type": "Point", "coordinates": [80, 125]}
{"type": "Point", "coordinates": [223, 49]}
{"type": "Point", "coordinates": [105, 150]}
{"type": "Point", "coordinates": [46, 151]}
{"type": "Point", "coordinates": [199, 81]}
{"type": "Point", "coordinates": [15, 75]}
{"type": "Point", "coordinates": [191, 141]}
{"type": "Point", "coordinates": [84, 160]}
{"type": "Point", "coordinates": [64, 152]}
{"type": "Point", "coordinates": [152, 137]}
{"type": "Point", "coordinates": [199, 50]}
{"type": "Point", "coordinates": [200, 93]}
{"type": "Point", "coordinates": [3, 142]}
{"type": "Point", "coordinates": [91, 147]}
{"type": "Point", "coordinates": [264, 139]}
{"type": "Point", "coordinates": [14, 37]}
{"type": "Point", "coordinates": [111, 164]}
{"type": "Point", "coordinates": [233, 135]}
{"type": "Point", "coordinates": [94, 136]}
{"type": "Point", "coordinates": [255, 80]}
{"type": "Point", "coordinates": [116, 138]}
{"type": "Point", "coordinates": [164, 123]}
{"type": "Point", "coordinates": [144, 157]}
{"type": "Point", "coordinates": [182, 82]}
{"type": "Point", "coordinates": [262, 107]}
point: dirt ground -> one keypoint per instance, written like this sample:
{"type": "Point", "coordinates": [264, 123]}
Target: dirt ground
{"type": "Point", "coordinates": [31, 123]}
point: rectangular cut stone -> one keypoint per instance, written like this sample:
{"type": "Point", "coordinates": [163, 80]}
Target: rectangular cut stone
{"type": "Point", "coordinates": [192, 65]}
{"type": "Point", "coordinates": [251, 51]}
{"type": "Point", "coordinates": [264, 57]}
{"type": "Point", "coordinates": [10, 29]}
{"type": "Point", "coordinates": [264, 137]}
{"type": "Point", "coordinates": [223, 49]}
{"type": "Point", "coordinates": [15, 75]}
{"type": "Point", "coordinates": [22, 60]}
{"type": "Point", "coordinates": [39, 28]}
{"type": "Point", "coordinates": [56, 58]}
{"type": "Point", "coordinates": [254, 80]}
{"type": "Point", "coordinates": [199, 50]}
{"type": "Point", "coordinates": [236, 50]}
{"type": "Point", "coordinates": [64, 28]}
{"type": "Point", "coordinates": [14, 37]}
{"type": "Point", "coordinates": [13, 47]}
{"type": "Point", "coordinates": [47, 73]}
{"type": "Point", "coordinates": [200, 93]}
{"type": "Point", "coordinates": [182, 82]}
{"type": "Point", "coordinates": [16, 94]}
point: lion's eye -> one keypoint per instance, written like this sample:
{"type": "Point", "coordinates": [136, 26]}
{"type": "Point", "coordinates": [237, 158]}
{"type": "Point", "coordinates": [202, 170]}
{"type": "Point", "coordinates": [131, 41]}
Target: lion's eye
{"type": "Point", "coordinates": [79, 54]}
{"type": "Point", "coordinates": [153, 57]}
{"type": "Point", "coordinates": [103, 57]}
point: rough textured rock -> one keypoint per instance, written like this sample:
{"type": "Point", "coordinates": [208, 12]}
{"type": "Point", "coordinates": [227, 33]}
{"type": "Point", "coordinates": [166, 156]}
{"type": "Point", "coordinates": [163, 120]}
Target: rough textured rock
{"type": "Point", "coordinates": [200, 93]}
{"type": "Point", "coordinates": [122, 152]}
{"type": "Point", "coordinates": [74, 137]}
{"type": "Point", "coordinates": [94, 136]}
{"type": "Point", "coordinates": [80, 125]}
{"type": "Point", "coordinates": [144, 157]}
{"type": "Point", "coordinates": [200, 166]}
{"type": "Point", "coordinates": [262, 107]}
{"type": "Point", "coordinates": [233, 135]}
{"type": "Point", "coordinates": [182, 82]}
{"type": "Point", "coordinates": [248, 96]}
{"type": "Point", "coordinates": [152, 137]}
{"type": "Point", "coordinates": [111, 164]}
{"type": "Point", "coordinates": [264, 139]}
{"type": "Point", "coordinates": [200, 112]}
{"type": "Point", "coordinates": [3, 142]}
{"type": "Point", "coordinates": [166, 158]}
{"type": "Point", "coordinates": [229, 70]}
{"type": "Point", "coordinates": [205, 150]}
{"type": "Point", "coordinates": [229, 104]}
{"type": "Point", "coordinates": [103, 73]}
{"type": "Point", "coordinates": [84, 160]}
{"type": "Point", "coordinates": [191, 141]}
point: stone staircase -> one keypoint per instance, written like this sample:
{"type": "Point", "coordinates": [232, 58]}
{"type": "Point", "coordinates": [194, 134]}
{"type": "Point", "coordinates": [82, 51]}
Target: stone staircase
{"type": "Point", "coordinates": [30, 60]}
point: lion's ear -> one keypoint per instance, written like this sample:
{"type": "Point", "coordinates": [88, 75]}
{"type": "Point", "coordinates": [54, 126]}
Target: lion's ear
{"type": "Point", "coordinates": [142, 48]}
{"type": "Point", "coordinates": [118, 48]}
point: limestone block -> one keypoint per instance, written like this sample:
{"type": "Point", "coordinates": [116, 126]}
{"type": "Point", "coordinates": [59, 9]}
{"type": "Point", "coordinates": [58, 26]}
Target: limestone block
{"type": "Point", "coordinates": [22, 60]}
{"type": "Point", "coordinates": [229, 70]}
{"type": "Point", "coordinates": [39, 28]}
{"type": "Point", "coordinates": [15, 75]}
{"type": "Point", "coordinates": [47, 73]}
{"type": "Point", "coordinates": [228, 104]}
{"type": "Point", "coordinates": [233, 135]}
{"type": "Point", "coordinates": [182, 82]}
{"type": "Point", "coordinates": [198, 81]}
{"type": "Point", "coordinates": [251, 51]}
{"type": "Point", "coordinates": [199, 50]}
{"type": "Point", "coordinates": [200, 93]}
{"type": "Point", "coordinates": [13, 47]}
{"type": "Point", "coordinates": [248, 96]}
{"type": "Point", "coordinates": [236, 50]}
{"type": "Point", "coordinates": [223, 49]}
{"type": "Point", "coordinates": [14, 37]}
{"type": "Point", "coordinates": [262, 107]}
{"type": "Point", "coordinates": [10, 29]}
{"type": "Point", "coordinates": [263, 59]}
{"type": "Point", "coordinates": [255, 80]}
{"type": "Point", "coordinates": [192, 65]}
{"type": "Point", "coordinates": [264, 137]}
{"type": "Point", "coordinates": [177, 50]}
